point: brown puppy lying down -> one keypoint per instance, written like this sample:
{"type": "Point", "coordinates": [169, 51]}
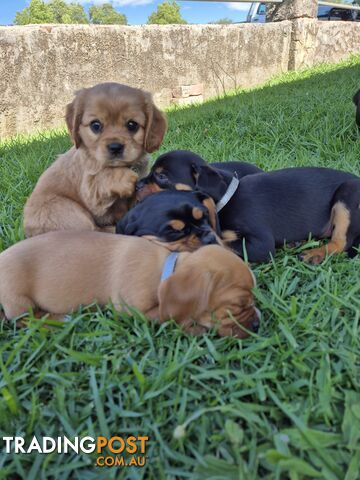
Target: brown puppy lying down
{"type": "Point", "coordinates": [91, 186]}
{"type": "Point", "coordinates": [57, 272]}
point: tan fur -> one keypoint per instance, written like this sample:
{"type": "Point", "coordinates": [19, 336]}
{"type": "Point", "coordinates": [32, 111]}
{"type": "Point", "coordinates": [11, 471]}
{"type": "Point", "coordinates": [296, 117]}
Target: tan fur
{"type": "Point", "coordinates": [197, 213]}
{"type": "Point", "coordinates": [189, 243]}
{"type": "Point", "coordinates": [182, 186]}
{"type": "Point", "coordinates": [340, 221]}
{"type": "Point", "coordinates": [210, 205]}
{"type": "Point", "coordinates": [177, 224]}
{"type": "Point", "coordinates": [59, 271]}
{"type": "Point", "coordinates": [212, 289]}
{"type": "Point", "coordinates": [148, 189]}
{"type": "Point", "coordinates": [229, 236]}
{"type": "Point", "coordinates": [87, 188]}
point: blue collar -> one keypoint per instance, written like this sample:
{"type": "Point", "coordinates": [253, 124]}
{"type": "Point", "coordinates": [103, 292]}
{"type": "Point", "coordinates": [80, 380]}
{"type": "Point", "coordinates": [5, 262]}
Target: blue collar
{"type": "Point", "coordinates": [169, 266]}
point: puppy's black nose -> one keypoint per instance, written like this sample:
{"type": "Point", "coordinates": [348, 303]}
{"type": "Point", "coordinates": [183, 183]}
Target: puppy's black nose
{"type": "Point", "coordinates": [255, 325]}
{"type": "Point", "coordinates": [115, 148]}
{"type": "Point", "coordinates": [208, 239]}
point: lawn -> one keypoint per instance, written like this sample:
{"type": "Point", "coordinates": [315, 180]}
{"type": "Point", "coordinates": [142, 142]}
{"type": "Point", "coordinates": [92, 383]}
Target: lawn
{"type": "Point", "coordinates": [283, 404]}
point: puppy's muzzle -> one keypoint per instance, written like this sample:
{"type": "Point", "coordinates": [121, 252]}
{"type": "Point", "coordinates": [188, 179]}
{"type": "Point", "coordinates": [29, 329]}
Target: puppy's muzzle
{"type": "Point", "coordinates": [252, 324]}
{"type": "Point", "coordinates": [115, 149]}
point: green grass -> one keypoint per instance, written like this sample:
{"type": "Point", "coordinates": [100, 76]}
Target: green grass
{"type": "Point", "coordinates": [284, 404]}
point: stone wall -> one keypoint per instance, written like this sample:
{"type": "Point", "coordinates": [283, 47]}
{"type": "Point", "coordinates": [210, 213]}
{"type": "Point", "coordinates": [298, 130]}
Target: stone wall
{"type": "Point", "coordinates": [41, 66]}
{"type": "Point", "coordinates": [316, 42]}
{"type": "Point", "coordinates": [335, 41]}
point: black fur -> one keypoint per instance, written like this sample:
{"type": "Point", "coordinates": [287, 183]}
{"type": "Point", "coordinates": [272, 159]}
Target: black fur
{"type": "Point", "coordinates": [153, 214]}
{"type": "Point", "coordinates": [269, 209]}
{"type": "Point", "coordinates": [179, 167]}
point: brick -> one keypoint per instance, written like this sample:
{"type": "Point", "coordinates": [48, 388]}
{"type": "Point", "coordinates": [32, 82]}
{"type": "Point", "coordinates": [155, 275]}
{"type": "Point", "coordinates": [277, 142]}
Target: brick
{"type": "Point", "coordinates": [181, 92]}
{"type": "Point", "coordinates": [188, 100]}
{"type": "Point", "coordinates": [197, 89]}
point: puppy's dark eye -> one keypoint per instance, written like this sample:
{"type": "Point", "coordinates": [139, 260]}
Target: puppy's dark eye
{"type": "Point", "coordinates": [132, 126]}
{"type": "Point", "coordinates": [96, 126]}
{"type": "Point", "coordinates": [161, 176]}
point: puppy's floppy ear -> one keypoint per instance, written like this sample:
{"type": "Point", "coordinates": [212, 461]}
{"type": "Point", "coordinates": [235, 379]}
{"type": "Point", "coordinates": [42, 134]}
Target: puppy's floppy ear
{"type": "Point", "coordinates": [73, 115]}
{"type": "Point", "coordinates": [121, 227]}
{"type": "Point", "coordinates": [206, 176]}
{"type": "Point", "coordinates": [209, 203]}
{"type": "Point", "coordinates": [156, 125]}
{"type": "Point", "coordinates": [356, 97]}
{"type": "Point", "coordinates": [126, 227]}
{"type": "Point", "coordinates": [184, 296]}
{"type": "Point", "coordinates": [214, 220]}
{"type": "Point", "coordinates": [208, 180]}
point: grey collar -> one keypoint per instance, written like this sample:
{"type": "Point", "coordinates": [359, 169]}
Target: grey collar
{"type": "Point", "coordinates": [169, 266]}
{"type": "Point", "coordinates": [228, 194]}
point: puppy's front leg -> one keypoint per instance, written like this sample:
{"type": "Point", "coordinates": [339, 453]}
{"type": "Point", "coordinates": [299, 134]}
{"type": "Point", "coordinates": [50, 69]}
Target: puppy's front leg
{"type": "Point", "coordinates": [122, 184]}
{"type": "Point", "coordinates": [102, 190]}
{"type": "Point", "coordinates": [258, 248]}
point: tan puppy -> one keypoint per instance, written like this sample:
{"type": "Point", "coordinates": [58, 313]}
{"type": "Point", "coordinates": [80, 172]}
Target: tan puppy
{"type": "Point", "coordinates": [57, 272]}
{"type": "Point", "coordinates": [91, 186]}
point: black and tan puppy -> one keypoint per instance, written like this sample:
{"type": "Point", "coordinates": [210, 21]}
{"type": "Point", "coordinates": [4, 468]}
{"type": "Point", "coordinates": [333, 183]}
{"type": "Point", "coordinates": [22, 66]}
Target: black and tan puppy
{"type": "Point", "coordinates": [175, 170]}
{"type": "Point", "coordinates": [356, 100]}
{"type": "Point", "coordinates": [183, 220]}
{"type": "Point", "coordinates": [268, 209]}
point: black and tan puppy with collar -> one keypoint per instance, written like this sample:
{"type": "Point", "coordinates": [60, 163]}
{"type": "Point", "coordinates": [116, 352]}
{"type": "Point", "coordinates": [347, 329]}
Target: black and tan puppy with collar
{"type": "Point", "coordinates": [262, 211]}
{"type": "Point", "coordinates": [175, 170]}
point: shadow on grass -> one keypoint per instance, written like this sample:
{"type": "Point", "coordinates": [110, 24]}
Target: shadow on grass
{"type": "Point", "coordinates": [296, 119]}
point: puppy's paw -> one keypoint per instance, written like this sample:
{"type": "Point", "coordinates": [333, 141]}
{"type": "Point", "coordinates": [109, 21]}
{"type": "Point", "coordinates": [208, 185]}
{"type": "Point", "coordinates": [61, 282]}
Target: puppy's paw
{"type": "Point", "coordinates": [126, 187]}
{"type": "Point", "coordinates": [314, 256]}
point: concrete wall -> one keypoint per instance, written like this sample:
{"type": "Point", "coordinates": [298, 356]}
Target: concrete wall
{"type": "Point", "coordinates": [41, 66]}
